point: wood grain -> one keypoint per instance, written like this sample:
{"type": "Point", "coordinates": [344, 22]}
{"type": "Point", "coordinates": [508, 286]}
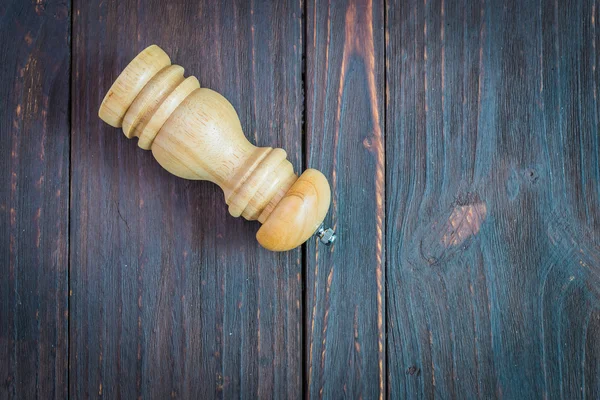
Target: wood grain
{"type": "Point", "coordinates": [461, 140]}
{"type": "Point", "coordinates": [345, 299]}
{"type": "Point", "coordinates": [492, 109]}
{"type": "Point", "coordinates": [172, 296]}
{"type": "Point", "coordinates": [34, 171]}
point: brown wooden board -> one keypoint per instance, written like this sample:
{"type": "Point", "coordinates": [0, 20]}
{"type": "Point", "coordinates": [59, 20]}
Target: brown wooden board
{"type": "Point", "coordinates": [492, 199]}
{"type": "Point", "coordinates": [34, 196]}
{"type": "Point", "coordinates": [171, 295]}
{"type": "Point", "coordinates": [345, 299]}
{"type": "Point", "coordinates": [461, 141]}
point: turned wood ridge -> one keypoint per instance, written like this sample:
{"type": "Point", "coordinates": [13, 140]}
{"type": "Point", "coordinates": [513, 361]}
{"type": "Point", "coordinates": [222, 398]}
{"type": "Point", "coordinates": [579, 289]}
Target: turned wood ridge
{"type": "Point", "coordinates": [195, 133]}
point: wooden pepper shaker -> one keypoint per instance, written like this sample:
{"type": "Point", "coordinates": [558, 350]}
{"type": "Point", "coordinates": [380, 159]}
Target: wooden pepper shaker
{"type": "Point", "coordinates": [195, 133]}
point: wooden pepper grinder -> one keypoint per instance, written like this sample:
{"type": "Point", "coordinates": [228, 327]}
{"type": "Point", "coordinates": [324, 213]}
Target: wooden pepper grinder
{"type": "Point", "coordinates": [195, 133]}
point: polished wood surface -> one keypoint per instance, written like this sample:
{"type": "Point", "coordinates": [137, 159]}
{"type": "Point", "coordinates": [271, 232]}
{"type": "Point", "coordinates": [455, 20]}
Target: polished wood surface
{"type": "Point", "coordinates": [461, 143]}
{"type": "Point", "coordinates": [195, 133]}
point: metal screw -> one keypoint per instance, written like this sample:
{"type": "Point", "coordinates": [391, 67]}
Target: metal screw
{"type": "Point", "coordinates": [326, 236]}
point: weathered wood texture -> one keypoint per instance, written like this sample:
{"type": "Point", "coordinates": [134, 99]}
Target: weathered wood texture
{"type": "Point", "coordinates": [345, 299]}
{"type": "Point", "coordinates": [34, 195]}
{"type": "Point", "coordinates": [461, 141]}
{"type": "Point", "coordinates": [492, 199]}
{"type": "Point", "coordinates": [169, 299]}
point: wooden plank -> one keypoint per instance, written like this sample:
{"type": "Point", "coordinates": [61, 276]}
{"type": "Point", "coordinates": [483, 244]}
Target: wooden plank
{"type": "Point", "coordinates": [345, 300]}
{"type": "Point", "coordinates": [172, 296]}
{"type": "Point", "coordinates": [34, 171]}
{"type": "Point", "coordinates": [493, 211]}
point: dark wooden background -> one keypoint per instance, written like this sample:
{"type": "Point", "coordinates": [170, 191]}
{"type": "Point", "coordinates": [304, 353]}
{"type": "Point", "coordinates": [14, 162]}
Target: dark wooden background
{"type": "Point", "coordinates": [461, 140]}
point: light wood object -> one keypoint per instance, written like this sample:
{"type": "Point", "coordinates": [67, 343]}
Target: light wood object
{"type": "Point", "coordinates": [195, 133]}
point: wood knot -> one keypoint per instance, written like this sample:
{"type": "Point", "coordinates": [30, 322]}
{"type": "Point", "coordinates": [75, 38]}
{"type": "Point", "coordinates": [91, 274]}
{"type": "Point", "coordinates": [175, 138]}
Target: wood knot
{"type": "Point", "coordinates": [452, 231]}
{"type": "Point", "coordinates": [531, 175]}
{"type": "Point", "coordinates": [465, 221]}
